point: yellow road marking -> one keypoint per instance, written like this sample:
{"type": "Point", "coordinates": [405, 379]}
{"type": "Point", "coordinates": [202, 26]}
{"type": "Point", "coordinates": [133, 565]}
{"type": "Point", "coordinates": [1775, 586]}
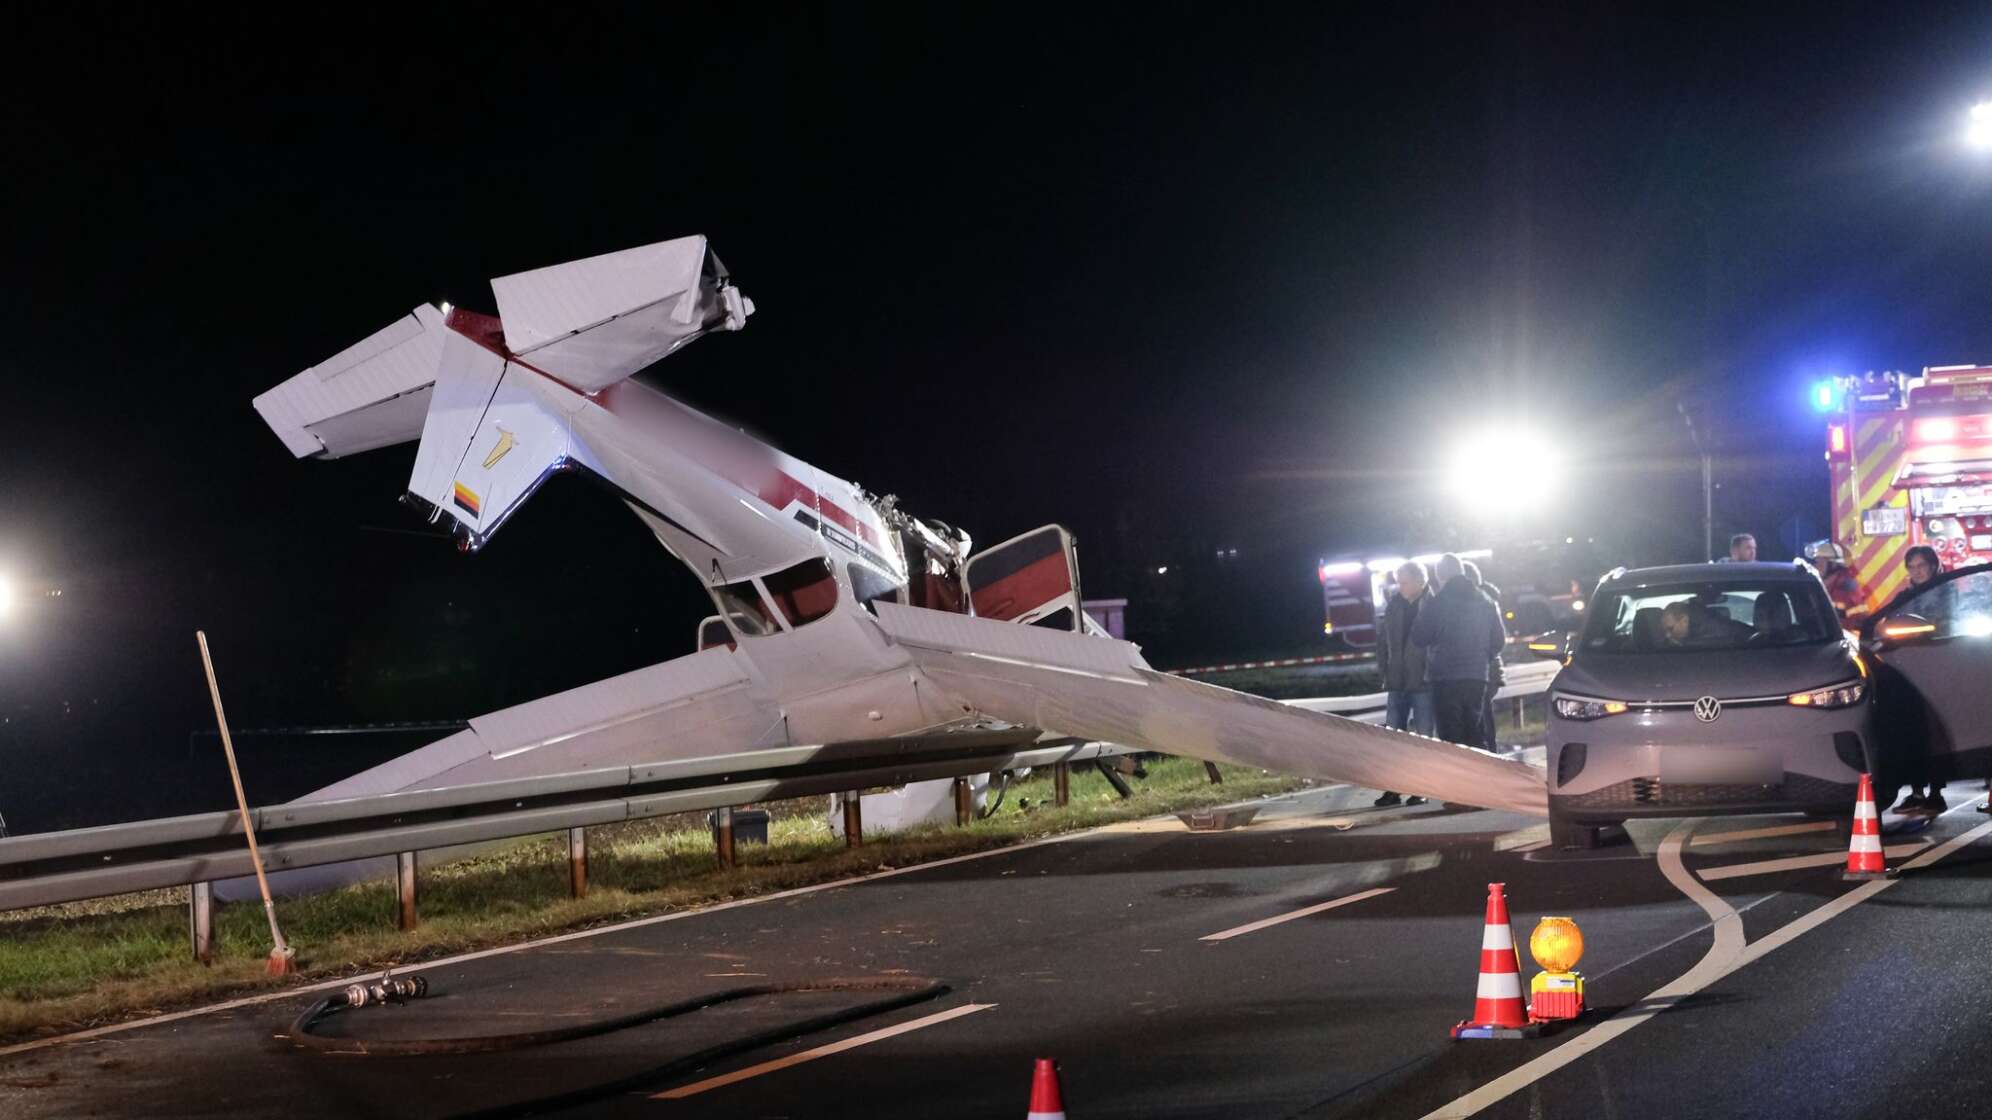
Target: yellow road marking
{"type": "Point", "coordinates": [1794, 863]}
{"type": "Point", "coordinates": [1761, 833]}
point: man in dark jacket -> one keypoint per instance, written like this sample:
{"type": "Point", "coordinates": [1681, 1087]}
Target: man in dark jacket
{"type": "Point", "coordinates": [1462, 633]}
{"type": "Point", "coordinates": [1408, 693]}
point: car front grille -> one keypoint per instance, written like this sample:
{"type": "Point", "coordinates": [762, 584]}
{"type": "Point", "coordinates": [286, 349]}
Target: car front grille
{"type": "Point", "coordinates": [1795, 789]}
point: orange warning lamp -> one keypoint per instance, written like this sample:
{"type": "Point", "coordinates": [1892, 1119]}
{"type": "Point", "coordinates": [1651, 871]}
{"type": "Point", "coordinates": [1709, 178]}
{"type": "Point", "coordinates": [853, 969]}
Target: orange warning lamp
{"type": "Point", "coordinates": [1837, 450]}
{"type": "Point", "coordinates": [1557, 993]}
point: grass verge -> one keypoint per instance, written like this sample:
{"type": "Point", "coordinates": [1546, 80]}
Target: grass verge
{"type": "Point", "coordinates": [83, 964]}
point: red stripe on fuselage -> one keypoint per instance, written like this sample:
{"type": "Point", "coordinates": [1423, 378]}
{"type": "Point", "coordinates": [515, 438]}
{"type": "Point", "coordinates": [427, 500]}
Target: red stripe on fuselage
{"type": "Point", "coordinates": [489, 332]}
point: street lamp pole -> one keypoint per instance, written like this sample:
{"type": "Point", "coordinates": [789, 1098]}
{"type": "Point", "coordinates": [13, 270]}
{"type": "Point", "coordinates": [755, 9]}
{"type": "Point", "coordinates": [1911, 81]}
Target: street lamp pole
{"type": "Point", "coordinates": [1698, 434]}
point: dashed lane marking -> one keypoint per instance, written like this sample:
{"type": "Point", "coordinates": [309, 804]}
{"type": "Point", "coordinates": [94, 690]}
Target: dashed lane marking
{"type": "Point", "coordinates": [1794, 863]}
{"type": "Point", "coordinates": [725, 1079]}
{"type": "Point", "coordinates": [1265, 923]}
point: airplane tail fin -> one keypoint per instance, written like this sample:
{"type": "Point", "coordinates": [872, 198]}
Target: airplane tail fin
{"type": "Point", "coordinates": [491, 398]}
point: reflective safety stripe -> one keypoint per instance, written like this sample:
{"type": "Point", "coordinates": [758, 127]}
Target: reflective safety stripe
{"type": "Point", "coordinates": [1499, 985]}
{"type": "Point", "coordinates": [1866, 844]}
{"type": "Point", "coordinates": [1864, 810]}
{"type": "Point", "coordinates": [1497, 937]}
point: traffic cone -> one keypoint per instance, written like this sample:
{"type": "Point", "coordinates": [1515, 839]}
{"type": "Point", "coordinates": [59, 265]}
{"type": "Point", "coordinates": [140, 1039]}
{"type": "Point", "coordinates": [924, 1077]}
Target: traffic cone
{"type": "Point", "coordinates": [1045, 1101]}
{"type": "Point", "coordinates": [1864, 857]}
{"type": "Point", "coordinates": [1498, 1011]}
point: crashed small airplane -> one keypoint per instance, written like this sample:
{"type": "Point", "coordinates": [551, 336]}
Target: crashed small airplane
{"type": "Point", "coordinates": [842, 620]}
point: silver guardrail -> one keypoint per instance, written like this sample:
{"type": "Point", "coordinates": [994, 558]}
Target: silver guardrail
{"type": "Point", "coordinates": [198, 850]}
{"type": "Point", "coordinates": [1525, 679]}
{"type": "Point", "coordinates": [47, 868]}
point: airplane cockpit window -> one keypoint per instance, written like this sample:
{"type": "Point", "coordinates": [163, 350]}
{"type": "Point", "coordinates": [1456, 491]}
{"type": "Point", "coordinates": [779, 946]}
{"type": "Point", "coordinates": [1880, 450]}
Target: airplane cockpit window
{"type": "Point", "coordinates": [868, 585]}
{"type": "Point", "coordinates": [742, 603]}
{"type": "Point", "coordinates": [803, 592]}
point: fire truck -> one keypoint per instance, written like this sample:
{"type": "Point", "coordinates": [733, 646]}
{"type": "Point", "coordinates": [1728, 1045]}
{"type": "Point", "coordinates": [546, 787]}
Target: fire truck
{"type": "Point", "coordinates": [1910, 460]}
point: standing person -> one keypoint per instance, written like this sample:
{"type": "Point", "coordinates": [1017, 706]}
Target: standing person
{"type": "Point", "coordinates": [1408, 694]}
{"type": "Point", "coordinates": [1463, 632]}
{"type": "Point", "coordinates": [1743, 548]}
{"type": "Point", "coordinates": [1842, 585]}
{"type": "Point", "coordinates": [1923, 565]}
{"type": "Point", "coordinates": [1497, 674]}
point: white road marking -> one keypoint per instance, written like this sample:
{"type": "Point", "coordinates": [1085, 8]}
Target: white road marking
{"type": "Point", "coordinates": [1724, 957]}
{"type": "Point", "coordinates": [558, 939]}
{"type": "Point", "coordinates": [725, 1079]}
{"type": "Point", "coordinates": [1265, 923]}
{"type": "Point", "coordinates": [1762, 833]}
{"type": "Point", "coordinates": [1794, 863]}
{"type": "Point", "coordinates": [1522, 839]}
{"type": "Point", "coordinates": [577, 935]}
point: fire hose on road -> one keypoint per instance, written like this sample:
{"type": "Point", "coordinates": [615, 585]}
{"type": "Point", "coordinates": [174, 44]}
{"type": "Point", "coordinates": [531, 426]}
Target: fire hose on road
{"type": "Point", "coordinates": [895, 992]}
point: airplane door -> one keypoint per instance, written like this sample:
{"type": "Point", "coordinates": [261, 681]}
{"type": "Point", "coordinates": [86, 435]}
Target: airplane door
{"type": "Point", "coordinates": [1032, 579]}
{"type": "Point", "coordinates": [1934, 656]}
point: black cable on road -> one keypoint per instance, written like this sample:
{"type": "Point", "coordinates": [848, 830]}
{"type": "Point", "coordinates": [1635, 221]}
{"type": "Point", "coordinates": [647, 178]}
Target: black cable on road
{"type": "Point", "coordinates": [904, 991]}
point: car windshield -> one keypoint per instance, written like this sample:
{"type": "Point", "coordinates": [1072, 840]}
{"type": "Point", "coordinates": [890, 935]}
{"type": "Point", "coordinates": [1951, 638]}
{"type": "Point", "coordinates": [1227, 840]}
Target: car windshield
{"type": "Point", "coordinates": [1710, 615]}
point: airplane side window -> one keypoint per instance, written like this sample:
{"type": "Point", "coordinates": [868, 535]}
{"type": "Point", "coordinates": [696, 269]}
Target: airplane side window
{"type": "Point", "coordinates": [742, 603]}
{"type": "Point", "coordinates": [803, 592]}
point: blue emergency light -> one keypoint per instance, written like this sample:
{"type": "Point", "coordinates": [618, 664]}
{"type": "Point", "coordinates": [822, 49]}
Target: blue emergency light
{"type": "Point", "coordinates": [1826, 395]}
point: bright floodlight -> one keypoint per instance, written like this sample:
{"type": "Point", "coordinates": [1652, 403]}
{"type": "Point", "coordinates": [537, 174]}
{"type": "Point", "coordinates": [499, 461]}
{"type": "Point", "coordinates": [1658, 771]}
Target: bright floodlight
{"type": "Point", "coordinates": [1504, 472]}
{"type": "Point", "coordinates": [6, 597]}
{"type": "Point", "coordinates": [1978, 127]}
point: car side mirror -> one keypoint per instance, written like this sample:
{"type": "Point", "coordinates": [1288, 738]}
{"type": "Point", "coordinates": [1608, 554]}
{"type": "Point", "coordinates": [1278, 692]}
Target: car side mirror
{"type": "Point", "coordinates": [1901, 629]}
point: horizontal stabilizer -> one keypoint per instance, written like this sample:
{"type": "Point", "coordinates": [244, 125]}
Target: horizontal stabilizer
{"type": "Point", "coordinates": [372, 394]}
{"type": "Point", "coordinates": [594, 322]}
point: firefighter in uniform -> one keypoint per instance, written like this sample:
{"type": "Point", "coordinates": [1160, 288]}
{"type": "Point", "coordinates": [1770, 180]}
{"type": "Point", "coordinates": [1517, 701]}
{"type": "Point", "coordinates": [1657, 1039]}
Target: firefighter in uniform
{"type": "Point", "coordinates": [1849, 597]}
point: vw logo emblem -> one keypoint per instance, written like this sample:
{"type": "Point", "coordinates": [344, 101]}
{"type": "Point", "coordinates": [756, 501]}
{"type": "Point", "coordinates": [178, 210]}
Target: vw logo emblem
{"type": "Point", "coordinates": [1707, 709]}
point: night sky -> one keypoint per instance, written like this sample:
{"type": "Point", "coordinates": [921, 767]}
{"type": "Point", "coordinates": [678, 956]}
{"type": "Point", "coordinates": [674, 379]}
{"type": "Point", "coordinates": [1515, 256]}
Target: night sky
{"type": "Point", "coordinates": [1184, 278]}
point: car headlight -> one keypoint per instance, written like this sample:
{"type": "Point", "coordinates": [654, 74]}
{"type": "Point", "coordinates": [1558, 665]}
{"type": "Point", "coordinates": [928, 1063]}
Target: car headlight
{"type": "Point", "coordinates": [1584, 708]}
{"type": "Point", "coordinates": [1832, 696]}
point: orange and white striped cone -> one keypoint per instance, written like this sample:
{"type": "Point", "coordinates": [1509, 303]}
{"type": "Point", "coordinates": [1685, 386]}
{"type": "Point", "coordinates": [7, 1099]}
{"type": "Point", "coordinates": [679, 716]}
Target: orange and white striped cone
{"type": "Point", "coordinates": [1864, 855]}
{"type": "Point", "coordinates": [1498, 1010]}
{"type": "Point", "coordinates": [1046, 1103]}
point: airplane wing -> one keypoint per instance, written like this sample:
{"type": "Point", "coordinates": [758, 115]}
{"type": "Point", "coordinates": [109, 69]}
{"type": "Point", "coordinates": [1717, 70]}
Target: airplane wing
{"type": "Point", "coordinates": [1100, 688]}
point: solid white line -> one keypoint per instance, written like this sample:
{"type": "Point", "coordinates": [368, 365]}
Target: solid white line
{"type": "Point", "coordinates": [1761, 833]}
{"type": "Point", "coordinates": [1264, 923]}
{"type": "Point", "coordinates": [1794, 863]}
{"type": "Point", "coordinates": [1712, 967]}
{"type": "Point", "coordinates": [726, 1079]}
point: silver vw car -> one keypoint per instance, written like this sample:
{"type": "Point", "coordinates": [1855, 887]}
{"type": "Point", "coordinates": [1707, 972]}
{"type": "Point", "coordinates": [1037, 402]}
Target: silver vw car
{"type": "Point", "coordinates": [1706, 688]}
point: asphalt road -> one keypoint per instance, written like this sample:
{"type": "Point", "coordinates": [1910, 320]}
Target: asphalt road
{"type": "Point", "coordinates": [1719, 988]}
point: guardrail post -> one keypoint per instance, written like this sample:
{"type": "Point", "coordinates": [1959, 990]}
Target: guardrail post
{"type": "Point", "coordinates": [200, 920]}
{"type": "Point", "coordinates": [964, 801]}
{"type": "Point", "coordinates": [404, 868]}
{"type": "Point", "coordinates": [577, 861]}
{"type": "Point", "coordinates": [854, 820]}
{"type": "Point", "coordinates": [1210, 771]}
{"type": "Point", "coordinates": [723, 835]}
{"type": "Point", "coordinates": [1061, 783]}
{"type": "Point", "coordinates": [1520, 707]}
